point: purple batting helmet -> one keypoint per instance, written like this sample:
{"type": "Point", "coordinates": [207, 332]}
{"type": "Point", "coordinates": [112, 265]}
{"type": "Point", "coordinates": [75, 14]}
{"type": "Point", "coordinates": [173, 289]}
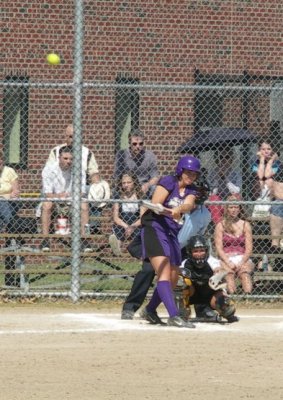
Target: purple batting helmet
{"type": "Point", "coordinates": [189, 163]}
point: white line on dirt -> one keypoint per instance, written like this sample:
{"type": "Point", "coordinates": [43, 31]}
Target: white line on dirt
{"type": "Point", "coordinates": [95, 323]}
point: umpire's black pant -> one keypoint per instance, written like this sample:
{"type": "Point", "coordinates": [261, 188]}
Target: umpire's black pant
{"type": "Point", "coordinates": [143, 279]}
{"type": "Point", "coordinates": [142, 282]}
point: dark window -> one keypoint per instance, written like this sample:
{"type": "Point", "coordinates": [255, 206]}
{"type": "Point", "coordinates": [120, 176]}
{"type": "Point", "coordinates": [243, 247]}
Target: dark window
{"type": "Point", "coordinates": [127, 111]}
{"type": "Point", "coordinates": [213, 107]}
{"type": "Point", "coordinates": [15, 123]}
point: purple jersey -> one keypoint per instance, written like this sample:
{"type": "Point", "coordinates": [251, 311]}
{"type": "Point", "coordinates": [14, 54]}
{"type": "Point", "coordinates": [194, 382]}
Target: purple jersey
{"type": "Point", "coordinates": [174, 199]}
{"type": "Point", "coordinates": [159, 233]}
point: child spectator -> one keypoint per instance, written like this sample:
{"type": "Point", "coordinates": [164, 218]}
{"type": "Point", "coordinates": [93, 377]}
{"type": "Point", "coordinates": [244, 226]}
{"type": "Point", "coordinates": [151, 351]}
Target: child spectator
{"type": "Point", "coordinates": [126, 216]}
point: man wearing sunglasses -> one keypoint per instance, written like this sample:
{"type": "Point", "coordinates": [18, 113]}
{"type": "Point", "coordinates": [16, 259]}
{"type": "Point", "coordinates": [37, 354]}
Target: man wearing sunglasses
{"type": "Point", "coordinates": [138, 160]}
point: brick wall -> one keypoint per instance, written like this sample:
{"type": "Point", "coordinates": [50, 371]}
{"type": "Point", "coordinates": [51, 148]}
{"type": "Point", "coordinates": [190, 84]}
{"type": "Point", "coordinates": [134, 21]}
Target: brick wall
{"type": "Point", "coordinates": [154, 41]}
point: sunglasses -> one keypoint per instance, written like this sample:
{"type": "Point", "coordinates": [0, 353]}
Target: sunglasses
{"type": "Point", "coordinates": [137, 143]}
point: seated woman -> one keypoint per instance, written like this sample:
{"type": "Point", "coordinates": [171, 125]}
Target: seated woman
{"type": "Point", "coordinates": [234, 244]}
{"type": "Point", "coordinates": [9, 190]}
{"type": "Point", "coordinates": [269, 170]}
{"type": "Point", "coordinates": [126, 215]}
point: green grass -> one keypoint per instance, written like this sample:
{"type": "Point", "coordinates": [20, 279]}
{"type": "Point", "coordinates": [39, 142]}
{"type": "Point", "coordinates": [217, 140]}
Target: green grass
{"type": "Point", "coordinates": [94, 275]}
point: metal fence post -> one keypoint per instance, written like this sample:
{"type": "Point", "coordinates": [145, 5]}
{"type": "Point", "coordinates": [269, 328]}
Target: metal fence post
{"type": "Point", "coordinates": [77, 154]}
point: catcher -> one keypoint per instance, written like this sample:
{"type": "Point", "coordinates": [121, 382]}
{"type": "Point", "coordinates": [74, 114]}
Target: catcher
{"type": "Point", "coordinates": [197, 284]}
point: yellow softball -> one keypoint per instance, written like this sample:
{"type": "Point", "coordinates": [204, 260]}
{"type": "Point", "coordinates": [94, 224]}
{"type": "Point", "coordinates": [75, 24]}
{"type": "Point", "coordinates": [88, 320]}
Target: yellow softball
{"type": "Point", "coordinates": [53, 59]}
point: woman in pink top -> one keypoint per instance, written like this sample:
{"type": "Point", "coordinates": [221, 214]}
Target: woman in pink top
{"type": "Point", "coordinates": [234, 244]}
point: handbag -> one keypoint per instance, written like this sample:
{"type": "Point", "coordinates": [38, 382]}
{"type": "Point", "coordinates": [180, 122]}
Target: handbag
{"type": "Point", "coordinates": [262, 210]}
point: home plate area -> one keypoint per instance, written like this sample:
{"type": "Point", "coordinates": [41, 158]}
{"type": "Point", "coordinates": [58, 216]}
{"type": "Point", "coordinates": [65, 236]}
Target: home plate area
{"type": "Point", "coordinates": [249, 322]}
{"type": "Point", "coordinates": [35, 321]}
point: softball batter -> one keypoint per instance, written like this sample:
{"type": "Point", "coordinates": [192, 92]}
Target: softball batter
{"type": "Point", "coordinates": [159, 237]}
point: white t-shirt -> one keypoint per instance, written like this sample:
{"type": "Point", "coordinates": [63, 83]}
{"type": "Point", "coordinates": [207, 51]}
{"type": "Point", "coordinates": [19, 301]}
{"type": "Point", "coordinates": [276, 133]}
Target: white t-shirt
{"type": "Point", "coordinates": [89, 164]}
{"type": "Point", "coordinates": [55, 180]}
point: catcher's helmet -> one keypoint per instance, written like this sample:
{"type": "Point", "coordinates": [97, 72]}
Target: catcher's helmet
{"type": "Point", "coordinates": [189, 163]}
{"type": "Point", "coordinates": [196, 242]}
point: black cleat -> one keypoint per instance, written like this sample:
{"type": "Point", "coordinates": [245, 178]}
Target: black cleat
{"type": "Point", "coordinates": [179, 322]}
{"type": "Point", "coordinates": [232, 319]}
{"type": "Point", "coordinates": [127, 314]}
{"type": "Point", "coordinates": [205, 312]}
{"type": "Point", "coordinates": [151, 316]}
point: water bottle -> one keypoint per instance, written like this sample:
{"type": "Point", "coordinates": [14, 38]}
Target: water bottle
{"type": "Point", "coordinates": [264, 265]}
{"type": "Point", "coordinates": [87, 229]}
{"type": "Point", "coordinates": [62, 226]}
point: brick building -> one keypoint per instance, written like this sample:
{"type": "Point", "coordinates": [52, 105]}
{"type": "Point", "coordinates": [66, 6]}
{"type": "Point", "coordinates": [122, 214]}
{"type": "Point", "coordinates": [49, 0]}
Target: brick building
{"type": "Point", "coordinates": [184, 42]}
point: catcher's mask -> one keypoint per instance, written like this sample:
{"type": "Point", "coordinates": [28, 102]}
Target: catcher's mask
{"type": "Point", "coordinates": [198, 258]}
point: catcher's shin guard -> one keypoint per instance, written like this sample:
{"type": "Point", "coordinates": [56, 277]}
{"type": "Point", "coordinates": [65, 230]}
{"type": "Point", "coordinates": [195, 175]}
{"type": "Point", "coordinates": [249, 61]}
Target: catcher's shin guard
{"type": "Point", "coordinates": [226, 307]}
{"type": "Point", "coordinates": [182, 298]}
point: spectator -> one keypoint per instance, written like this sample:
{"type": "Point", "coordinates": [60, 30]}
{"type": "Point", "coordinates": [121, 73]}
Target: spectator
{"type": "Point", "coordinates": [224, 180]}
{"type": "Point", "coordinates": [269, 171]}
{"type": "Point", "coordinates": [234, 244]}
{"type": "Point", "coordinates": [9, 190]}
{"type": "Point", "coordinates": [139, 161]}
{"type": "Point", "coordinates": [126, 215]}
{"type": "Point", "coordinates": [89, 164]}
{"type": "Point", "coordinates": [160, 237]}
{"type": "Point", "coordinates": [57, 183]}
{"type": "Point", "coordinates": [99, 192]}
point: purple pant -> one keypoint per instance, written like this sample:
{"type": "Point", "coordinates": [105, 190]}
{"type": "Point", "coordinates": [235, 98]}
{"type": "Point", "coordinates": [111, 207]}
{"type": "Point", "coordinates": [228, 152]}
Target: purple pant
{"type": "Point", "coordinates": [159, 241]}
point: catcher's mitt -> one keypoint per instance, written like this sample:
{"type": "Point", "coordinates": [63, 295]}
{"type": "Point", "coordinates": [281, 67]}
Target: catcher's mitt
{"type": "Point", "coordinates": [216, 281]}
{"type": "Point", "coordinates": [203, 190]}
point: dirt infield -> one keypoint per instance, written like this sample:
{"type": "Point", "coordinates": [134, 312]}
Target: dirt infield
{"type": "Point", "coordinates": [78, 353]}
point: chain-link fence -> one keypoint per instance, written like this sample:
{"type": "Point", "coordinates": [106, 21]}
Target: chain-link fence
{"type": "Point", "coordinates": [38, 237]}
{"type": "Point", "coordinates": [78, 156]}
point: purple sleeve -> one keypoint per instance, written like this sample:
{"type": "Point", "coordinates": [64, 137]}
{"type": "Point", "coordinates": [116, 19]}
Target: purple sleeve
{"type": "Point", "coordinates": [168, 182]}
